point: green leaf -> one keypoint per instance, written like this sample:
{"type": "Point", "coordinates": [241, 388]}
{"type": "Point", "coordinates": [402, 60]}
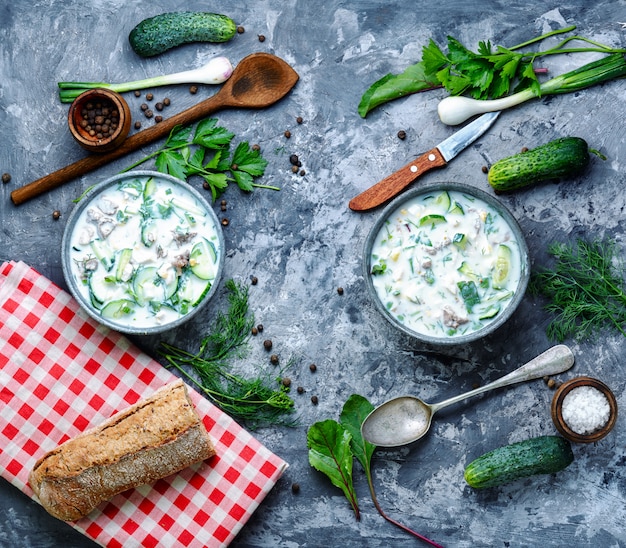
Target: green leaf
{"type": "Point", "coordinates": [330, 453]}
{"type": "Point", "coordinates": [354, 412]}
{"type": "Point", "coordinates": [217, 183]}
{"type": "Point", "coordinates": [178, 136]}
{"type": "Point", "coordinates": [209, 135]}
{"type": "Point", "coordinates": [249, 160]}
{"type": "Point", "coordinates": [172, 162]}
{"type": "Point", "coordinates": [244, 180]}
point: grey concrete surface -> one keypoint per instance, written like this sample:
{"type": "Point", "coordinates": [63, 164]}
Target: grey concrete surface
{"type": "Point", "coordinates": [303, 243]}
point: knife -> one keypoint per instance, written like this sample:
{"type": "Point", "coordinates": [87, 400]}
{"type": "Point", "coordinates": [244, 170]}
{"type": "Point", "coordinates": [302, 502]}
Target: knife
{"type": "Point", "coordinates": [437, 157]}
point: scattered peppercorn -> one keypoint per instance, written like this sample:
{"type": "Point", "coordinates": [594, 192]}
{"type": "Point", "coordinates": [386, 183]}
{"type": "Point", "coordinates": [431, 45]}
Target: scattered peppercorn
{"type": "Point", "coordinates": [261, 38]}
{"type": "Point", "coordinates": [260, 327]}
{"type": "Point", "coordinates": [158, 106]}
{"type": "Point", "coordinates": [256, 147]}
{"type": "Point", "coordinates": [313, 368]}
{"type": "Point", "coordinates": [314, 400]}
{"type": "Point", "coordinates": [240, 30]}
{"type": "Point", "coordinates": [137, 125]}
{"type": "Point", "coordinates": [402, 135]}
{"type": "Point", "coordinates": [254, 280]}
{"type": "Point", "coordinates": [300, 390]}
{"type": "Point", "coordinates": [302, 173]}
{"type": "Point", "coordinates": [158, 119]}
{"type": "Point", "coordinates": [6, 178]}
{"type": "Point", "coordinates": [287, 134]}
{"type": "Point", "coordinates": [255, 331]}
{"type": "Point", "coordinates": [299, 119]}
{"type": "Point", "coordinates": [295, 488]}
{"type": "Point", "coordinates": [137, 93]}
{"type": "Point", "coordinates": [267, 344]}
{"type": "Point", "coordinates": [340, 290]}
{"type": "Point", "coordinates": [225, 222]}
{"type": "Point", "coordinates": [223, 207]}
{"type": "Point", "coordinates": [144, 107]}
{"type": "Point", "coordinates": [294, 160]}
{"type": "Point", "coordinates": [193, 90]}
{"type": "Point", "coordinates": [206, 186]}
{"type": "Point", "coordinates": [286, 382]}
{"type": "Point", "coordinates": [485, 169]}
{"type": "Point", "coordinates": [56, 214]}
{"type": "Point", "coordinates": [551, 383]}
{"type": "Point", "coordinates": [166, 102]}
{"type": "Point", "coordinates": [524, 149]}
{"type": "Point", "coordinates": [149, 113]}
{"type": "Point", "coordinates": [149, 96]}
{"type": "Point", "coordinates": [294, 169]}
{"type": "Point", "coordinates": [274, 359]}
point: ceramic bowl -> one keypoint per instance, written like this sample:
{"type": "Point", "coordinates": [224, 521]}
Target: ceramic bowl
{"type": "Point", "coordinates": [143, 252]}
{"type": "Point", "coordinates": [92, 138]}
{"type": "Point", "coordinates": [557, 410]}
{"type": "Point", "coordinates": [449, 324]}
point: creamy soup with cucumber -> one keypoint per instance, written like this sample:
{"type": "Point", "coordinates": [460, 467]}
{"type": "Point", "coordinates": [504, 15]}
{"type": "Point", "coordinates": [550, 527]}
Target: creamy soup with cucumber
{"type": "Point", "coordinates": [144, 252]}
{"type": "Point", "coordinates": [445, 264]}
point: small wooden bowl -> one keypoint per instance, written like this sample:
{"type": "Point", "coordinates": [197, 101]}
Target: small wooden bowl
{"type": "Point", "coordinates": [557, 410]}
{"type": "Point", "coordinates": [93, 143]}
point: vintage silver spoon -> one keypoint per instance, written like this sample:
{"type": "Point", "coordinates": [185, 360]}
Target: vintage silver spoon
{"type": "Point", "coordinates": [406, 419]}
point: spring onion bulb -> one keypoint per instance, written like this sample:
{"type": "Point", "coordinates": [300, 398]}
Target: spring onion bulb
{"type": "Point", "coordinates": [216, 71]}
{"type": "Point", "coordinates": [456, 109]}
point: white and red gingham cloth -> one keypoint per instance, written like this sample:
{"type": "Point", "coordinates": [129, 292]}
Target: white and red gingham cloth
{"type": "Point", "coordinates": [61, 372]}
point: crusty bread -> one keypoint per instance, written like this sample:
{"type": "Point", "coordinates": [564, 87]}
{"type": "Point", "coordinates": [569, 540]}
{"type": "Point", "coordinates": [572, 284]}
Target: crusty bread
{"type": "Point", "coordinates": [152, 439]}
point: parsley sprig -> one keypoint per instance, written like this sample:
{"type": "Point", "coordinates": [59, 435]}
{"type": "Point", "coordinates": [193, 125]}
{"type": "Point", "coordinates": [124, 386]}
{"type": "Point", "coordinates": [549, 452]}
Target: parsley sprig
{"type": "Point", "coordinates": [206, 152]}
{"type": "Point", "coordinates": [490, 73]}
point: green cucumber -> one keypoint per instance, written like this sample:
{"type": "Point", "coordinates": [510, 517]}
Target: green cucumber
{"type": "Point", "coordinates": [168, 30]}
{"type": "Point", "coordinates": [540, 455]}
{"type": "Point", "coordinates": [564, 157]}
{"type": "Point", "coordinates": [203, 259]}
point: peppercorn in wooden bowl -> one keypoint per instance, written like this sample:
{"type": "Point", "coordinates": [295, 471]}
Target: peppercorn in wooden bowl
{"type": "Point", "coordinates": [99, 120]}
{"type": "Point", "coordinates": [584, 410]}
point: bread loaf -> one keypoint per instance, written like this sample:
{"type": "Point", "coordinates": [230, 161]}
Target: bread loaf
{"type": "Point", "coordinates": [152, 439]}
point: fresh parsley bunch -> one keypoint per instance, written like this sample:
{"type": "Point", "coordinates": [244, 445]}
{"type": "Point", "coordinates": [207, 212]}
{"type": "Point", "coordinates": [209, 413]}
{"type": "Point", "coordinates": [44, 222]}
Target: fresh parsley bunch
{"type": "Point", "coordinates": [205, 151]}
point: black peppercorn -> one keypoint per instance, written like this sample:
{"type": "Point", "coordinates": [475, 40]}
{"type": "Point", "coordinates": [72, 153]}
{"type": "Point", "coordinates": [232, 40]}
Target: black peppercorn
{"type": "Point", "coordinates": [149, 96]}
{"type": "Point", "coordinates": [159, 106]}
{"type": "Point", "coordinates": [299, 119]}
{"type": "Point", "coordinates": [260, 327]}
{"type": "Point", "coordinates": [193, 90]}
{"type": "Point", "coordinates": [287, 134]}
{"type": "Point", "coordinates": [295, 487]}
{"type": "Point", "coordinates": [313, 368]}
{"type": "Point", "coordinates": [261, 38]}
{"type": "Point", "coordinates": [255, 331]}
{"type": "Point", "coordinates": [300, 390]}
{"type": "Point", "coordinates": [286, 382]}
{"type": "Point", "coordinates": [166, 101]}
{"type": "Point", "coordinates": [274, 359]}
{"type": "Point", "coordinates": [485, 169]}
{"type": "Point", "coordinates": [143, 107]}
{"type": "Point", "coordinates": [137, 125]}
{"type": "Point", "coordinates": [56, 214]}
{"type": "Point", "coordinates": [314, 400]}
{"type": "Point", "coordinates": [402, 134]}
{"type": "Point", "coordinates": [254, 280]}
{"type": "Point", "coordinates": [267, 344]}
{"type": "Point", "coordinates": [240, 30]}
{"type": "Point", "coordinates": [149, 113]}
{"type": "Point", "coordinates": [293, 159]}
{"type": "Point", "coordinates": [225, 222]}
{"type": "Point", "coordinates": [158, 119]}
{"type": "Point", "coordinates": [340, 290]}
{"type": "Point", "coordinates": [6, 177]}
{"type": "Point", "coordinates": [137, 93]}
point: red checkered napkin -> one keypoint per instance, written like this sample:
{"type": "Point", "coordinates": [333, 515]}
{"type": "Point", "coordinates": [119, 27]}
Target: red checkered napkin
{"type": "Point", "coordinates": [61, 372]}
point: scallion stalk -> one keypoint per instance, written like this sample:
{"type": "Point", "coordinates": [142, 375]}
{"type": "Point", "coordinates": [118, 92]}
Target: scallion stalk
{"type": "Point", "coordinates": [216, 71]}
{"type": "Point", "coordinates": [455, 110]}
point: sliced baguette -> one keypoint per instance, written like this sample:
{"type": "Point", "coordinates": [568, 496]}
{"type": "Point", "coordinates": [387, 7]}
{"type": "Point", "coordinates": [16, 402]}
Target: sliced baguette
{"type": "Point", "coordinates": [152, 439]}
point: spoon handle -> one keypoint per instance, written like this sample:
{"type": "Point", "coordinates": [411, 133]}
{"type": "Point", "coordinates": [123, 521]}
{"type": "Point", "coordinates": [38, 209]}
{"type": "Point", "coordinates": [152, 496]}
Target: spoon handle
{"type": "Point", "coordinates": [134, 142]}
{"type": "Point", "coordinates": [555, 360]}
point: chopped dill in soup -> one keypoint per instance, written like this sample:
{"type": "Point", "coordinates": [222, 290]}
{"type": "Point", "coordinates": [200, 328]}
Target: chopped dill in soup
{"type": "Point", "coordinates": [445, 264]}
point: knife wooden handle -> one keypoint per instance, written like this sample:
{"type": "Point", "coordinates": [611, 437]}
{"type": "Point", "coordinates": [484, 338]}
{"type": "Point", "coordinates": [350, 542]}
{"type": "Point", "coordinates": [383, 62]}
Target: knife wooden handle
{"type": "Point", "coordinates": [396, 182]}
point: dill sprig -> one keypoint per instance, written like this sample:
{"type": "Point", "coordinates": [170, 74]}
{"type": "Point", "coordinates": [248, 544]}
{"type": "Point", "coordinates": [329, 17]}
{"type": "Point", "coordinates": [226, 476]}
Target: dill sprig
{"type": "Point", "coordinates": [251, 400]}
{"type": "Point", "coordinates": [586, 289]}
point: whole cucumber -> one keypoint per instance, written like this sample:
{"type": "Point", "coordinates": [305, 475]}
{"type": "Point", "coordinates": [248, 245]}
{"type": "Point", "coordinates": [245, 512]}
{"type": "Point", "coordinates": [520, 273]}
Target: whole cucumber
{"type": "Point", "coordinates": [563, 157]}
{"type": "Point", "coordinates": [167, 30]}
{"type": "Point", "coordinates": [541, 455]}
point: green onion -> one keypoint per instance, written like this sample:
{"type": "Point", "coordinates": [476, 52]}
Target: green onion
{"type": "Point", "coordinates": [456, 109]}
{"type": "Point", "coordinates": [216, 71]}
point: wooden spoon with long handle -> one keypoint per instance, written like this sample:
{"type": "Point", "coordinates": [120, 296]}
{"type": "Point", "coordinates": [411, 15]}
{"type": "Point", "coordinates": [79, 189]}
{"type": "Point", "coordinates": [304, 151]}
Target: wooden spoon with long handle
{"type": "Point", "coordinates": [259, 80]}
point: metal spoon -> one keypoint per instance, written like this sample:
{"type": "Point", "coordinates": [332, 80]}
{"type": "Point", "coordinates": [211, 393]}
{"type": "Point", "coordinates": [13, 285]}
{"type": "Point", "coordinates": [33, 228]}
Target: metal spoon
{"type": "Point", "coordinates": [406, 419]}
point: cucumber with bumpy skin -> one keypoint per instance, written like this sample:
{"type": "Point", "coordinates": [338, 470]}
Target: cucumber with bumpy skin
{"type": "Point", "coordinates": [563, 157]}
{"type": "Point", "coordinates": [167, 30]}
{"type": "Point", "coordinates": [541, 455]}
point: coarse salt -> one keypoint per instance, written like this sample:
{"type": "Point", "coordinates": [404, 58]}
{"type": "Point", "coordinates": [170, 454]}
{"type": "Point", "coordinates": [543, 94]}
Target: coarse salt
{"type": "Point", "coordinates": [585, 409]}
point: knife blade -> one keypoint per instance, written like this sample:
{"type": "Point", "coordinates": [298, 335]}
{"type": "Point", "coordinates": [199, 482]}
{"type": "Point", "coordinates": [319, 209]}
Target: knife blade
{"type": "Point", "coordinates": [436, 157]}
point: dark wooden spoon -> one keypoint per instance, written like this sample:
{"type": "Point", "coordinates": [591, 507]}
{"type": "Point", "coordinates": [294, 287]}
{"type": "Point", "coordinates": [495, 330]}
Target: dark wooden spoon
{"type": "Point", "coordinates": [259, 80]}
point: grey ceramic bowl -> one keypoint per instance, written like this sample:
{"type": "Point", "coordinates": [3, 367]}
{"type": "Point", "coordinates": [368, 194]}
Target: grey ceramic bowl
{"type": "Point", "coordinates": [504, 314]}
{"type": "Point", "coordinates": [70, 268]}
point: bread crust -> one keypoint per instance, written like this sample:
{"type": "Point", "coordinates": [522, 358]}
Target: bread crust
{"type": "Point", "coordinates": [149, 440]}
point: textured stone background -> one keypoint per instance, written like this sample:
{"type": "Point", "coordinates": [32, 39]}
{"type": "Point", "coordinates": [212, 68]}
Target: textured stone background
{"type": "Point", "coordinates": [303, 243]}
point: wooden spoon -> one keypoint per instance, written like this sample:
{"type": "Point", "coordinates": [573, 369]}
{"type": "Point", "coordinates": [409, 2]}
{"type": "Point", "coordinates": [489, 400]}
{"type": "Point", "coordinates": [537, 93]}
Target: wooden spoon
{"type": "Point", "coordinates": [259, 80]}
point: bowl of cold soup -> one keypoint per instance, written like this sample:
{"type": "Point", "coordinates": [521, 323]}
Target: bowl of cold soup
{"type": "Point", "coordinates": [142, 252]}
{"type": "Point", "coordinates": [446, 263]}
